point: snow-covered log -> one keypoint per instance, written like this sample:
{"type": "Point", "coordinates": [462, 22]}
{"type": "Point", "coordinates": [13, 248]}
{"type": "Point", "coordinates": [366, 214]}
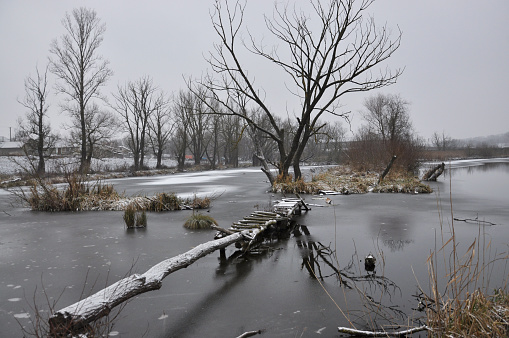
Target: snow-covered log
{"type": "Point", "coordinates": [364, 333]}
{"type": "Point", "coordinates": [73, 318]}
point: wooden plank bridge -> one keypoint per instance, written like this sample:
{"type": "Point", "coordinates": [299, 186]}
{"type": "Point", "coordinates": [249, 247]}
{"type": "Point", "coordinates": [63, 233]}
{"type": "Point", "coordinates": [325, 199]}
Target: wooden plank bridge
{"type": "Point", "coordinates": [246, 233]}
{"type": "Point", "coordinates": [256, 225]}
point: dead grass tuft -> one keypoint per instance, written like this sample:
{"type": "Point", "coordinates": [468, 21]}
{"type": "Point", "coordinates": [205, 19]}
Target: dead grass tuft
{"type": "Point", "coordinates": [466, 306]}
{"type": "Point", "coordinates": [346, 181]}
{"type": "Point", "coordinates": [198, 221]}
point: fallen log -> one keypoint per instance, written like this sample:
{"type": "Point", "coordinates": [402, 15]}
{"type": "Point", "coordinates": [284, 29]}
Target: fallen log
{"type": "Point", "coordinates": [364, 333]}
{"type": "Point", "coordinates": [434, 173]}
{"type": "Point", "coordinates": [387, 169]}
{"type": "Point", "coordinates": [73, 318]}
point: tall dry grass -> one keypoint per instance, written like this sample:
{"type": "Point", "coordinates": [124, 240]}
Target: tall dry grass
{"type": "Point", "coordinates": [461, 301]}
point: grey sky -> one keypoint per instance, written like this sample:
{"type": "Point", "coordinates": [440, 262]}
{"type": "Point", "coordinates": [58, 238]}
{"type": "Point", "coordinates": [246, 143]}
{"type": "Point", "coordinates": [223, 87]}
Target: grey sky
{"type": "Point", "coordinates": [455, 55]}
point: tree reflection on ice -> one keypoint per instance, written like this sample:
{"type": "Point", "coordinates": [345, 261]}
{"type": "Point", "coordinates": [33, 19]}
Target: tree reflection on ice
{"type": "Point", "coordinates": [376, 291]}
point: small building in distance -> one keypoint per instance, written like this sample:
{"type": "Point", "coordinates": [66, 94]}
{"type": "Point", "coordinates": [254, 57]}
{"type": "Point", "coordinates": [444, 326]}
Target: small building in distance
{"type": "Point", "coordinates": [11, 148]}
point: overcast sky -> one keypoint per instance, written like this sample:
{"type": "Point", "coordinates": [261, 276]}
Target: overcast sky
{"type": "Point", "coordinates": [455, 54]}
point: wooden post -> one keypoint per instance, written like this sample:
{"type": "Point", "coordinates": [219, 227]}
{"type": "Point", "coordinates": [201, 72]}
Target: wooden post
{"type": "Point", "coordinates": [386, 171]}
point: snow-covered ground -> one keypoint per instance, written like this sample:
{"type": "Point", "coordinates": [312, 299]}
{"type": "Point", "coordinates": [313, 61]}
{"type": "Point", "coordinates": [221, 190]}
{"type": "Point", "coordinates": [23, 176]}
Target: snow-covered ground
{"type": "Point", "coordinates": [13, 165]}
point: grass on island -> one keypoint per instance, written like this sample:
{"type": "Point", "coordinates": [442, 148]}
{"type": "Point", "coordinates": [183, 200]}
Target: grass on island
{"type": "Point", "coordinates": [78, 194]}
{"type": "Point", "coordinates": [347, 181]}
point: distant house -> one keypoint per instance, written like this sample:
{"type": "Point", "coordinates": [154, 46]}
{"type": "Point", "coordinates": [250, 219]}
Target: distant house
{"type": "Point", "coordinates": [11, 148]}
{"type": "Point", "coordinates": [62, 148]}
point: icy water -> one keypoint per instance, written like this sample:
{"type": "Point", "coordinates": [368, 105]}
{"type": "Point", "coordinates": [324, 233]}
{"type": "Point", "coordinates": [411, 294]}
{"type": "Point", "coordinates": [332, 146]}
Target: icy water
{"type": "Point", "coordinates": [290, 291]}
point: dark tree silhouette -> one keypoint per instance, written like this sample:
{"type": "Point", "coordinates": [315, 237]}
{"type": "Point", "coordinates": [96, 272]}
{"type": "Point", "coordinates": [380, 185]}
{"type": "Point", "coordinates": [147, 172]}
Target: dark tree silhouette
{"type": "Point", "coordinates": [79, 67]}
{"type": "Point", "coordinates": [338, 54]}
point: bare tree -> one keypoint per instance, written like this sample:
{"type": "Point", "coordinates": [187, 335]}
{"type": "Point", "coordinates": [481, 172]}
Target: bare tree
{"type": "Point", "coordinates": [160, 129]}
{"type": "Point", "coordinates": [338, 56]}
{"type": "Point", "coordinates": [231, 131]}
{"type": "Point", "coordinates": [388, 132]}
{"type": "Point", "coordinates": [387, 116]}
{"type": "Point", "coordinates": [442, 142]}
{"type": "Point", "coordinates": [198, 124]}
{"type": "Point", "coordinates": [182, 108]}
{"type": "Point", "coordinates": [100, 127]}
{"type": "Point", "coordinates": [336, 135]}
{"type": "Point", "coordinates": [213, 141]}
{"type": "Point", "coordinates": [326, 145]}
{"type": "Point", "coordinates": [136, 102]}
{"type": "Point", "coordinates": [79, 67]}
{"type": "Point", "coordinates": [35, 132]}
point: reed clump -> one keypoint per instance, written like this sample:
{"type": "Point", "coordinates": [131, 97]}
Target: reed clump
{"type": "Point", "coordinates": [134, 218]}
{"type": "Point", "coordinates": [199, 221]}
{"type": "Point", "coordinates": [466, 306]}
{"type": "Point", "coordinates": [79, 194]}
{"type": "Point", "coordinates": [165, 201]}
{"type": "Point", "coordinates": [130, 216]}
{"type": "Point", "coordinates": [76, 194]}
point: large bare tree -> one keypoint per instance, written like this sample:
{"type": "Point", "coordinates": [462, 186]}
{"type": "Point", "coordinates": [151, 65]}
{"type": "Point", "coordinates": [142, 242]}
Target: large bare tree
{"type": "Point", "coordinates": [35, 131]}
{"type": "Point", "coordinates": [335, 49]}
{"type": "Point", "coordinates": [80, 69]}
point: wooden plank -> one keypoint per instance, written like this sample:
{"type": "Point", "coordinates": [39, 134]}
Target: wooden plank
{"type": "Point", "coordinates": [268, 213]}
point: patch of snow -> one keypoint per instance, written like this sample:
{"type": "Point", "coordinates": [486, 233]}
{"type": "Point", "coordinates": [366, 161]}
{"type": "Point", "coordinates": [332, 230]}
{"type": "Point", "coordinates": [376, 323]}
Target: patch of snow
{"type": "Point", "coordinates": [163, 317]}
{"type": "Point", "coordinates": [22, 315]}
{"type": "Point", "coordinates": [113, 333]}
{"type": "Point", "coordinates": [14, 299]}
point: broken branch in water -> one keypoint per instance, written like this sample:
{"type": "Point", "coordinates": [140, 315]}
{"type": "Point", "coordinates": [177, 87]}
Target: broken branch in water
{"type": "Point", "coordinates": [355, 332]}
{"type": "Point", "coordinates": [433, 173]}
{"type": "Point", "coordinates": [473, 220]}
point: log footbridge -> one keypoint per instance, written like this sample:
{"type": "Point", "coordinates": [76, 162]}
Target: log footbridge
{"type": "Point", "coordinates": [246, 233]}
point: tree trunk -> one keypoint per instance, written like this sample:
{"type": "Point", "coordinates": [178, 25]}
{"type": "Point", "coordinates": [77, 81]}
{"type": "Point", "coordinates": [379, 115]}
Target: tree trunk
{"type": "Point", "coordinates": [72, 319]}
{"type": "Point", "coordinates": [159, 156]}
{"type": "Point", "coordinates": [386, 171]}
{"type": "Point", "coordinates": [434, 173]}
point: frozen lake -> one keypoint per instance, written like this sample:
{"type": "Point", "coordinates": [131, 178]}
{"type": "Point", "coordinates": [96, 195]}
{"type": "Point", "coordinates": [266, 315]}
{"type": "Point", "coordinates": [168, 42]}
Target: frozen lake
{"type": "Point", "coordinates": [74, 254]}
